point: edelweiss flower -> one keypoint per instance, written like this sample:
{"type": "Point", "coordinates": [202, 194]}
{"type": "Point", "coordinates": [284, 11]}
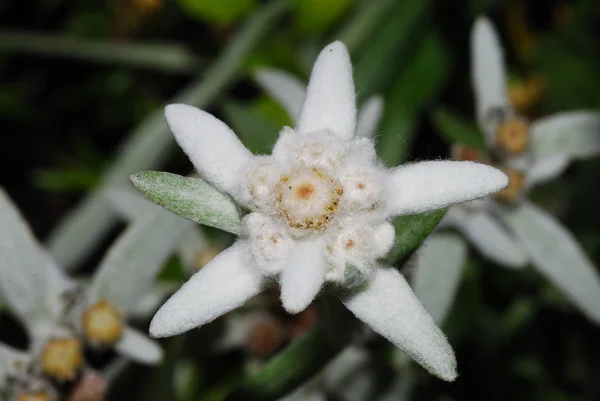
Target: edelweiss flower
{"type": "Point", "coordinates": [509, 230]}
{"type": "Point", "coordinates": [59, 315]}
{"type": "Point", "coordinates": [319, 207]}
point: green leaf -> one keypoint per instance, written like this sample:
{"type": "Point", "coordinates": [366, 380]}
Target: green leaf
{"type": "Point", "coordinates": [411, 231]}
{"type": "Point", "coordinates": [318, 15]}
{"type": "Point", "coordinates": [192, 198]}
{"type": "Point", "coordinates": [217, 11]}
{"type": "Point", "coordinates": [256, 132]}
{"type": "Point", "coordinates": [377, 62]}
{"type": "Point", "coordinates": [416, 86]}
{"type": "Point", "coordinates": [363, 22]}
{"type": "Point", "coordinates": [457, 130]}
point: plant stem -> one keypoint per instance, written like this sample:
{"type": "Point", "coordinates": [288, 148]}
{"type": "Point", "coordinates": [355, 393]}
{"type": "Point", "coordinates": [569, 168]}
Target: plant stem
{"type": "Point", "coordinates": [157, 56]}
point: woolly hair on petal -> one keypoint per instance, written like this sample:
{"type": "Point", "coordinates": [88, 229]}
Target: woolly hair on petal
{"type": "Point", "coordinates": [330, 102]}
{"type": "Point", "coordinates": [285, 88]}
{"type": "Point", "coordinates": [138, 347]}
{"type": "Point", "coordinates": [424, 186]}
{"type": "Point", "coordinates": [439, 269]}
{"type": "Point", "coordinates": [487, 70]}
{"type": "Point", "coordinates": [211, 145]}
{"type": "Point", "coordinates": [303, 276]}
{"type": "Point", "coordinates": [225, 283]}
{"type": "Point", "coordinates": [389, 306]}
{"type": "Point", "coordinates": [573, 134]}
{"type": "Point", "coordinates": [556, 254]}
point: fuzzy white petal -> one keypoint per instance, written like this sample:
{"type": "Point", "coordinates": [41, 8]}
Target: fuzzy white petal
{"type": "Point", "coordinates": [419, 187]}
{"type": "Point", "coordinates": [439, 269]}
{"type": "Point", "coordinates": [302, 276]}
{"type": "Point", "coordinates": [138, 347]}
{"type": "Point", "coordinates": [545, 169]}
{"type": "Point", "coordinates": [285, 88]}
{"type": "Point", "coordinates": [369, 116]}
{"type": "Point", "coordinates": [490, 238]}
{"type": "Point", "coordinates": [211, 145]}
{"type": "Point", "coordinates": [133, 262]}
{"type": "Point", "coordinates": [390, 307]}
{"type": "Point", "coordinates": [556, 254]}
{"type": "Point", "coordinates": [572, 134]}
{"type": "Point", "coordinates": [225, 283]}
{"type": "Point", "coordinates": [487, 70]}
{"type": "Point", "coordinates": [330, 102]}
{"type": "Point", "coordinates": [30, 282]}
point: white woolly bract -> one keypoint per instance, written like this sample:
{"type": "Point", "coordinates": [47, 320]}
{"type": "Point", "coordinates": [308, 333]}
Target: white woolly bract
{"type": "Point", "coordinates": [330, 102]}
{"type": "Point", "coordinates": [223, 284]}
{"type": "Point", "coordinates": [221, 162]}
{"type": "Point", "coordinates": [390, 307]}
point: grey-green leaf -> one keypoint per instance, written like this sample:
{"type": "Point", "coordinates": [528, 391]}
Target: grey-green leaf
{"type": "Point", "coordinates": [191, 198]}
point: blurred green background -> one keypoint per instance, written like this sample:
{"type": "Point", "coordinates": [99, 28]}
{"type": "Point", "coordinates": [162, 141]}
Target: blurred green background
{"type": "Point", "coordinates": [76, 77]}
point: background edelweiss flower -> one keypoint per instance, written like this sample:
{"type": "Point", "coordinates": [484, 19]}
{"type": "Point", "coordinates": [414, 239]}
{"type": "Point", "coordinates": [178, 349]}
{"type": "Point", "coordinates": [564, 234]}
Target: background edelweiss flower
{"type": "Point", "coordinates": [298, 204]}
{"type": "Point", "coordinates": [60, 316]}
{"type": "Point", "coordinates": [510, 230]}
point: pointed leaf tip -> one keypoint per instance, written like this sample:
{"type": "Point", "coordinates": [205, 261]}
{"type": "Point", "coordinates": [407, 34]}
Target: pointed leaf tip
{"type": "Point", "coordinates": [191, 198]}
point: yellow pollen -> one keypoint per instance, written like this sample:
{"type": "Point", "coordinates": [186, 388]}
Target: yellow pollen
{"type": "Point", "coordinates": [516, 182]}
{"type": "Point", "coordinates": [61, 358]}
{"type": "Point", "coordinates": [102, 323]}
{"type": "Point", "coordinates": [513, 136]}
{"type": "Point", "coordinates": [349, 244]}
{"type": "Point", "coordinates": [39, 396]}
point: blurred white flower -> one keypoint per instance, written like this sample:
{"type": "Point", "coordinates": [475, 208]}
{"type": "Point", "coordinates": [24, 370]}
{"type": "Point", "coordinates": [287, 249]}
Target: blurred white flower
{"type": "Point", "coordinates": [509, 229]}
{"type": "Point", "coordinates": [60, 315]}
{"type": "Point", "coordinates": [320, 209]}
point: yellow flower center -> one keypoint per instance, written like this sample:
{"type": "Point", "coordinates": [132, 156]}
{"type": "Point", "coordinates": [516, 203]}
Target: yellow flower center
{"type": "Point", "coordinates": [37, 396]}
{"type": "Point", "coordinates": [61, 358]}
{"type": "Point", "coordinates": [102, 324]}
{"type": "Point", "coordinates": [307, 199]}
{"type": "Point", "coordinates": [516, 182]}
{"type": "Point", "coordinates": [513, 136]}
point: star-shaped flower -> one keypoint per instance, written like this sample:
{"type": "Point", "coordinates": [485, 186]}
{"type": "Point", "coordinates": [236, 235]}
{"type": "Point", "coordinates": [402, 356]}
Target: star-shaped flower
{"type": "Point", "coordinates": [319, 211]}
{"type": "Point", "coordinates": [60, 315]}
{"type": "Point", "coordinates": [509, 229]}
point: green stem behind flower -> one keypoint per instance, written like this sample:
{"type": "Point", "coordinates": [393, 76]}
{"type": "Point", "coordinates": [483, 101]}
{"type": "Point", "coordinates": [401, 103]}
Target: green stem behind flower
{"type": "Point", "coordinates": [162, 57]}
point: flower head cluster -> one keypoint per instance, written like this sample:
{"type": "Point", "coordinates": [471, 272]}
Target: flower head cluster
{"type": "Point", "coordinates": [508, 229]}
{"type": "Point", "coordinates": [319, 211]}
{"type": "Point", "coordinates": [63, 317]}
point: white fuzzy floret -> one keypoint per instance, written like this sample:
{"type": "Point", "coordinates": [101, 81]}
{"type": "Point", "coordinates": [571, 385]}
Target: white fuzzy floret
{"type": "Point", "coordinates": [260, 176]}
{"type": "Point", "coordinates": [269, 243]}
